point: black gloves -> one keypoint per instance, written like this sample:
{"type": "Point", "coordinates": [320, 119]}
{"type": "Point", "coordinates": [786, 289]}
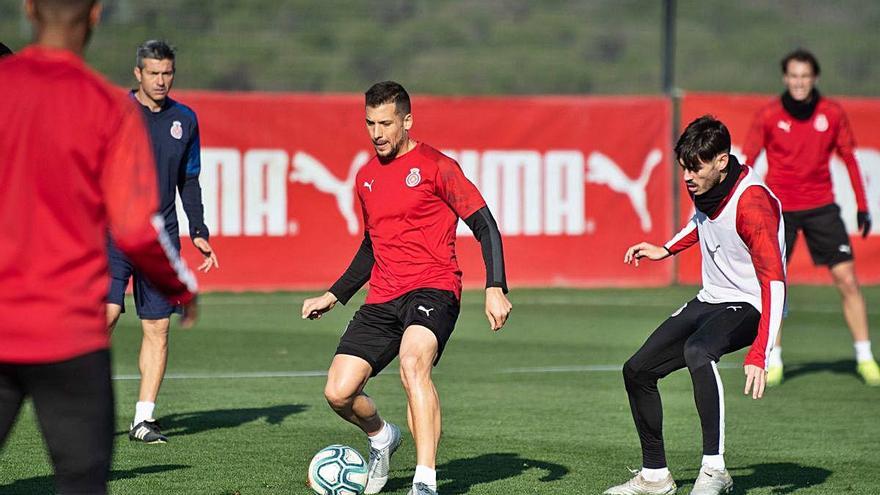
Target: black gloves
{"type": "Point", "coordinates": [864, 220]}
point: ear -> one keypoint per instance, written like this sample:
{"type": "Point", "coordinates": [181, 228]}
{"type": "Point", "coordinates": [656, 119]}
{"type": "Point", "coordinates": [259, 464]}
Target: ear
{"type": "Point", "coordinates": [721, 162]}
{"type": "Point", "coordinates": [95, 14]}
{"type": "Point", "coordinates": [408, 121]}
{"type": "Point", "coordinates": [137, 73]}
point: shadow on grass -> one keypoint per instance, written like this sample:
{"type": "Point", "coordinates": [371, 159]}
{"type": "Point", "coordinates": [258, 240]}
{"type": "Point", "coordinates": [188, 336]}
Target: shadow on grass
{"type": "Point", "coordinates": [458, 476]}
{"type": "Point", "coordinates": [841, 367]}
{"type": "Point", "coordinates": [190, 423]}
{"type": "Point", "coordinates": [779, 477]}
{"type": "Point", "coordinates": [46, 484]}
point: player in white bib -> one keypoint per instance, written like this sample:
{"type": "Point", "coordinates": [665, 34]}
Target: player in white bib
{"type": "Point", "coordinates": [738, 225]}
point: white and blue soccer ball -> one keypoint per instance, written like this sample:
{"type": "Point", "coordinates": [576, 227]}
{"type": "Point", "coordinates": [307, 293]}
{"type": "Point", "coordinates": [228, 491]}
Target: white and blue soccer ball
{"type": "Point", "coordinates": [338, 470]}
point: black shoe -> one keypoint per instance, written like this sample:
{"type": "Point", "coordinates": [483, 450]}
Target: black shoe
{"type": "Point", "coordinates": [147, 432]}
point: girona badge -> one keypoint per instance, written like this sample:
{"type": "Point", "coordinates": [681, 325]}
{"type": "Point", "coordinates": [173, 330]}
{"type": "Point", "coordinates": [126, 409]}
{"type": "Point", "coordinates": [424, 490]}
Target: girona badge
{"type": "Point", "coordinates": [820, 123]}
{"type": "Point", "coordinates": [176, 130]}
{"type": "Point", "coordinates": [414, 178]}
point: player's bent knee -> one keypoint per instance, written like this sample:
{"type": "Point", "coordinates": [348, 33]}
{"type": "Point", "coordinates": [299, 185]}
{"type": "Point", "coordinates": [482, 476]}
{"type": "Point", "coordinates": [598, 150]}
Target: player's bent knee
{"type": "Point", "coordinates": [696, 355]}
{"type": "Point", "coordinates": [337, 397]}
{"type": "Point", "coordinates": [414, 367]}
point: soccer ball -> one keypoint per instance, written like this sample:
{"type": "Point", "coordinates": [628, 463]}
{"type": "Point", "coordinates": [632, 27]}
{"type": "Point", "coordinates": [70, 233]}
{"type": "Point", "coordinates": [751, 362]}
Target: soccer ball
{"type": "Point", "coordinates": [338, 470]}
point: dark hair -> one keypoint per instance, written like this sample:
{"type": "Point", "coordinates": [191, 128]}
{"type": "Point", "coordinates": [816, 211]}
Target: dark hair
{"type": "Point", "coordinates": [801, 55]}
{"type": "Point", "coordinates": [155, 49]}
{"type": "Point", "coordinates": [702, 140]}
{"type": "Point", "coordinates": [388, 92]}
{"type": "Point", "coordinates": [4, 50]}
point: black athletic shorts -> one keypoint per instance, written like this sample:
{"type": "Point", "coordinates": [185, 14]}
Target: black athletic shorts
{"type": "Point", "coordinates": [149, 303]}
{"type": "Point", "coordinates": [375, 332]}
{"type": "Point", "coordinates": [824, 232]}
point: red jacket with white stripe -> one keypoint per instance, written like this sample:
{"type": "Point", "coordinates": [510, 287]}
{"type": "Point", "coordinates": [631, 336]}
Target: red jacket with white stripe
{"type": "Point", "coordinates": [743, 251]}
{"type": "Point", "coordinates": [74, 160]}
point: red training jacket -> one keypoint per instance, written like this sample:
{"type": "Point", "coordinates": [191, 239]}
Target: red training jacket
{"type": "Point", "coordinates": [74, 160]}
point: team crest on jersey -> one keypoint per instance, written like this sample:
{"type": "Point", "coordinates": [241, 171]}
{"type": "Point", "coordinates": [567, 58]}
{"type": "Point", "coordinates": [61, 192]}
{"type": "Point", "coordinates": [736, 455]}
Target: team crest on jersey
{"type": "Point", "coordinates": [414, 177]}
{"type": "Point", "coordinates": [176, 130]}
{"type": "Point", "coordinates": [820, 123]}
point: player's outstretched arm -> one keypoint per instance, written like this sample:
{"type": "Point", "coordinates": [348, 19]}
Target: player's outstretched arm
{"type": "Point", "coordinates": [314, 307]}
{"type": "Point", "coordinates": [485, 230]}
{"type": "Point", "coordinates": [644, 250]}
{"type": "Point", "coordinates": [354, 277]}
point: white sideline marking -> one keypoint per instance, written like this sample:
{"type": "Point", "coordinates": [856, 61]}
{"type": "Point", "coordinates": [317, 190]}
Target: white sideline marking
{"type": "Point", "coordinates": [531, 300]}
{"type": "Point", "coordinates": [319, 373]}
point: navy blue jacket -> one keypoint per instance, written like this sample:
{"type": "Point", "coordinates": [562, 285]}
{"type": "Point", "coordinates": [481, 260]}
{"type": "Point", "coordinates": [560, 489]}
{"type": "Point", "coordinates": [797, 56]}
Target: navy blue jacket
{"type": "Point", "coordinates": [174, 134]}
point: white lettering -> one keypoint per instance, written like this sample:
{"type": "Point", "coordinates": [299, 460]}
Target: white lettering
{"type": "Point", "coordinates": [265, 192]}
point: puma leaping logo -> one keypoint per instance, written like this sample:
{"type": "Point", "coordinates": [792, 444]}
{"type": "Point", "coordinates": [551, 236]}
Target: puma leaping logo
{"type": "Point", "coordinates": [308, 170]}
{"type": "Point", "coordinates": [712, 252]}
{"type": "Point", "coordinates": [369, 185]}
{"type": "Point", "coordinates": [734, 308]}
{"type": "Point", "coordinates": [426, 310]}
{"type": "Point", "coordinates": [603, 170]}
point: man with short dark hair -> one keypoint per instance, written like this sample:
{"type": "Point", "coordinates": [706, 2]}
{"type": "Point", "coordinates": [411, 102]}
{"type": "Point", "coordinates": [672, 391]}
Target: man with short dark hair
{"type": "Point", "coordinates": [799, 131]}
{"type": "Point", "coordinates": [738, 225]}
{"type": "Point", "coordinates": [412, 197]}
{"type": "Point", "coordinates": [174, 135]}
{"type": "Point", "coordinates": [69, 173]}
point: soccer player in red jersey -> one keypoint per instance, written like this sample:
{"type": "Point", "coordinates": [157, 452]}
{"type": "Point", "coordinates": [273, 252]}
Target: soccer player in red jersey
{"type": "Point", "coordinates": [799, 131]}
{"type": "Point", "coordinates": [738, 226]}
{"type": "Point", "coordinates": [70, 172]}
{"type": "Point", "coordinates": [411, 197]}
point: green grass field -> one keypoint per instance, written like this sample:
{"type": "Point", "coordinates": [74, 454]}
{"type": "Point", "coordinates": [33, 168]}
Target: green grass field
{"type": "Point", "coordinates": [537, 409]}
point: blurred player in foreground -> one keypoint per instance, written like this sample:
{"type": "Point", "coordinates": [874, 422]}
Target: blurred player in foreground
{"type": "Point", "coordinates": [412, 197]}
{"type": "Point", "coordinates": [75, 163]}
{"type": "Point", "coordinates": [739, 229]}
{"type": "Point", "coordinates": [174, 135]}
{"type": "Point", "coordinates": [800, 130]}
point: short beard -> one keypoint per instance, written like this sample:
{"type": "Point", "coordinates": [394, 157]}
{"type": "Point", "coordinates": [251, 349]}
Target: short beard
{"type": "Point", "coordinates": [392, 154]}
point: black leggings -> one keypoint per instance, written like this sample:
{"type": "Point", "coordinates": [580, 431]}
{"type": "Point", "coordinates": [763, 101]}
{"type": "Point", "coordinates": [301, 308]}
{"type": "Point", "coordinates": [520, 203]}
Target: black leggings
{"type": "Point", "coordinates": [73, 401]}
{"type": "Point", "coordinates": [695, 337]}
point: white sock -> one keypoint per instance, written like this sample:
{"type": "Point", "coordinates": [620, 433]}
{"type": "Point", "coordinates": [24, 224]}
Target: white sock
{"type": "Point", "coordinates": [714, 461]}
{"type": "Point", "coordinates": [776, 356]}
{"type": "Point", "coordinates": [655, 474]}
{"type": "Point", "coordinates": [863, 351]}
{"type": "Point", "coordinates": [382, 439]}
{"type": "Point", "coordinates": [143, 411]}
{"type": "Point", "coordinates": [426, 475]}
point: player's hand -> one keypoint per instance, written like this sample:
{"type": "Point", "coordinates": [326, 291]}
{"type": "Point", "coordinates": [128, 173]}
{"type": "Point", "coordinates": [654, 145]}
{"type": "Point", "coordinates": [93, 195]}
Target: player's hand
{"type": "Point", "coordinates": [190, 313]}
{"type": "Point", "coordinates": [497, 307]}
{"type": "Point", "coordinates": [315, 307]}
{"type": "Point", "coordinates": [863, 218]}
{"type": "Point", "coordinates": [756, 379]}
{"type": "Point", "coordinates": [644, 250]}
{"type": "Point", "coordinates": [210, 258]}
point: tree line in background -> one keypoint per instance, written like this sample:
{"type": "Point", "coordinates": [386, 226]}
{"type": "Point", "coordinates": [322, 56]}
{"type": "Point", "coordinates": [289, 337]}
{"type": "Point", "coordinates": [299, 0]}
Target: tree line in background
{"type": "Point", "coordinates": [484, 47]}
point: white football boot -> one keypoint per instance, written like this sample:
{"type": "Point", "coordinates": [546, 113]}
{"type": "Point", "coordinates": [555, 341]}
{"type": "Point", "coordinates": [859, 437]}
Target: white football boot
{"type": "Point", "coordinates": [712, 482]}
{"type": "Point", "coordinates": [421, 489]}
{"type": "Point", "coordinates": [380, 463]}
{"type": "Point", "coordinates": [640, 486]}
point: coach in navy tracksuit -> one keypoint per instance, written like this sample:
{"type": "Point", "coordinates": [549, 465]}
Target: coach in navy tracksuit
{"type": "Point", "coordinates": [174, 133]}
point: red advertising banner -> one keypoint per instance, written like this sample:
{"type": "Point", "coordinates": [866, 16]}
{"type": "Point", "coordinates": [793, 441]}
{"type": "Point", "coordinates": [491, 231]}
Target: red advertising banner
{"type": "Point", "coordinates": [737, 111]}
{"type": "Point", "coordinates": [571, 181]}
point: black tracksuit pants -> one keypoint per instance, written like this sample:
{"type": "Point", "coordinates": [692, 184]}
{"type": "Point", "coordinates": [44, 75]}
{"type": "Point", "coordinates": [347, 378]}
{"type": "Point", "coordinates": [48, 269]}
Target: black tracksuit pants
{"type": "Point", "coordinates": [695, 336]}
{"type": "Point", "coordinates": [73, 401]}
